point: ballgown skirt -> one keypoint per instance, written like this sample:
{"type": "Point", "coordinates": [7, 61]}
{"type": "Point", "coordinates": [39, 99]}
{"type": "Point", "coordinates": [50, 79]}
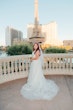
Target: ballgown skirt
{"type": "Point", "coordinates": [37, 86]}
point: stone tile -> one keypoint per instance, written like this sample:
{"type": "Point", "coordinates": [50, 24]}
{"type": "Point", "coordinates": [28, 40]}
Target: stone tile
{"type": "Point", "coordinates": [11, 99]}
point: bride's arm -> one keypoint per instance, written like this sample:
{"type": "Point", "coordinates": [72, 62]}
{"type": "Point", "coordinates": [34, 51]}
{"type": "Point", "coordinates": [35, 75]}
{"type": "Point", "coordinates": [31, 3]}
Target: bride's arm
{"type": "Point", "coordinates": [36, 55]}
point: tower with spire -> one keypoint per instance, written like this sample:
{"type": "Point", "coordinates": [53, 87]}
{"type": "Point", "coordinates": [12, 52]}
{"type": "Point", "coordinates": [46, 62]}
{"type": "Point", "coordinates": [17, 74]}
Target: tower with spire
{"type": "Point", "coordinates": [37, 35]}
{"type": "Point", "coordinates": [47, 34]}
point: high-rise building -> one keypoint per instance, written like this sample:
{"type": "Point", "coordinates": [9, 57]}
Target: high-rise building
{"type": "Point", "coordinates": [12, 35]}
{"type": "Point", "coordinates": [68, 43]}
{"type": "Point", "coordinates": [51, 30]}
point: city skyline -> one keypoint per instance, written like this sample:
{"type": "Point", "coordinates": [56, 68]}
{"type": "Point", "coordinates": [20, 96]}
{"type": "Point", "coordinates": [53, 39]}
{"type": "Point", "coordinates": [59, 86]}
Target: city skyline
{"type": "Point", "coordinates": [18, 14]}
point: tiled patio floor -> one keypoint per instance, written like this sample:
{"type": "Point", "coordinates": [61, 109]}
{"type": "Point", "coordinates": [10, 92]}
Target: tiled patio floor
{"type": "Point", "coordinates": [11, 99]}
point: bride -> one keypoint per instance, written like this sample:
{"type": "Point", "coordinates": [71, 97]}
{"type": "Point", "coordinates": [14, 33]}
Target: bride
{"type": "Point", "coordinates": [37, 86]}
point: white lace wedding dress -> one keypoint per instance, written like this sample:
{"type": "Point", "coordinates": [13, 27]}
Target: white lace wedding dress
{"type": "Point", "coordinates": [37, 86]}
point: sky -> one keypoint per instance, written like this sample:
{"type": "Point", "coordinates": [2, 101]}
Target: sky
{"type": "Point", "coordinates": [19, 13]}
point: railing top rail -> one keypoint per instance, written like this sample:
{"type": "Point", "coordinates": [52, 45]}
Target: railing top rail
{"type": "Point", "coordinates": [59, 54]}
{"type": "Point", "coordinates": [45, 55]}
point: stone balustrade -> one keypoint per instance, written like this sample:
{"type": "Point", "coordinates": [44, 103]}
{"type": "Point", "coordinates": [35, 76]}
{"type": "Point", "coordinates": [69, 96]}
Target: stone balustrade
{"type": "Point", "coordinates": [16, 67]}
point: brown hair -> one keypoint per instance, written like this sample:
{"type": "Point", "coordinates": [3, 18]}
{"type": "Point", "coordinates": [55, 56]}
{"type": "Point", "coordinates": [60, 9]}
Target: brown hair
{"type": "Point", "coordinates": [37, 48]}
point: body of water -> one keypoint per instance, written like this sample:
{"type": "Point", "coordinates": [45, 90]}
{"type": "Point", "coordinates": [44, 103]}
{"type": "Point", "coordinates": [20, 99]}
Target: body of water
{"type": "Point", "coordinates": [3, 54]}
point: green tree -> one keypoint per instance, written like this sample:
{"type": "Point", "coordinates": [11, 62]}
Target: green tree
{"type": "Point", "coordinates": [19, 49]}
{"type": "Point", "coordinates": [55, 50]}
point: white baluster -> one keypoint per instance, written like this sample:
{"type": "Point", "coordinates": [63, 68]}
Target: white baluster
{"type": "Point", "coordinates": [52, 63]}
{"type": "Point", "coordinates": [0, 68]}
{"type": "Point", "coordinates": [12, 66]}
{"type": "Point", "coordinates": [27, 65]}
{"type": "Point", "coordinates": [67, 63]}
{"type": "Point", "coordinates": [4, 66]}
{"type": "Point", "coordinates": [59, 64]}
{"type": "Point", "coordinates": [63, 63]}
{"type": "Point", "coordinates": [56, 62]}
{"type": "Point", "coordinates": [22, 64]}
{"type": "Point", "coordinates": [46, 64]}
{"type": "Point", "coordinates": [49, 63]}
{"type": "Point", "coordinates": [8, 67]}
{"type": "Point", "coordinates": [16, 66]}
{"type": "Point", "coordinates": [70, 63]}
